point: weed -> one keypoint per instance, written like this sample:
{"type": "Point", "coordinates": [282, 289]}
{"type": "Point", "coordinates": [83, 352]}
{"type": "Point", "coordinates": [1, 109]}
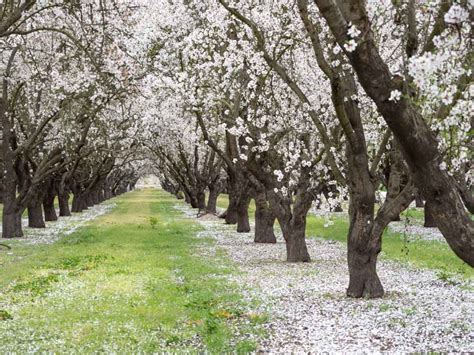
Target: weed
{"type": "Point", "coordinates": [4, 315]}
{"type": "Point", "coordinates": [153, 222]}
{"type": "Point", "coordinates": [37, 286]}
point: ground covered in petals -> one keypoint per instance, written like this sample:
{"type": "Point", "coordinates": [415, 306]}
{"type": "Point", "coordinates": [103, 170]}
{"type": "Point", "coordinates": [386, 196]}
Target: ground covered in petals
{"type": "Point", "coordinates": [423, 310]}
{"type": "Point", "coordinates": [145, 273]}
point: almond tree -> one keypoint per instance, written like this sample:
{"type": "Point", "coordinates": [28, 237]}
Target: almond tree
{"type": "Point", "coordinates": [392, 95]}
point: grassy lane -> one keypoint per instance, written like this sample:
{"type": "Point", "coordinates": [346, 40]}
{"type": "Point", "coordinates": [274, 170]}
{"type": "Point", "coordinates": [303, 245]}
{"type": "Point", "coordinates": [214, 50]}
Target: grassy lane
{"type": "Point", "coordinates": [426, 254]}
{"type": "Point", "coordinates": [130, 281]}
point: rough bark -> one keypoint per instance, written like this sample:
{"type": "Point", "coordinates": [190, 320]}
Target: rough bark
{"type": "Point", "coordinates": [63, 199]}
{"type": "Point", "coordinates": [243, 223]}
{"type": "Point", "coordinates": [77, 203]}
{"type": "Point", "coordinates": [212, 201]}
{"type": "Point", "coordinates": [363, 278]}
{"type": "Point", "coordinates": [430, 217]}
{"type": "Point", "coordinates": [35, 213]}
{"type": "Point", "coordinates": [291, 212]}
{"type": "Point", "coordinates": [394, 184]}
{"type": "Point", "coordinates": [187, 198]}
{"type": "Point", "coordinates": [89, 200]}
{"type": "Point", "coordinates": [231, 215]}
{"type": "Point", "coordinates": [264, 220]}
{"type": "Point", "coordinates": [11, 219]}
{"type": "Point", "coordinates": [363, 246]}
{"type": "Point", "coordinates": [48, 206]}
{"type": "Point", "coordinates": [11, 224]}
{"type": "Point", "coordinates": [295, 234]}
{"type": "Point", "coordinates": [201, 199]}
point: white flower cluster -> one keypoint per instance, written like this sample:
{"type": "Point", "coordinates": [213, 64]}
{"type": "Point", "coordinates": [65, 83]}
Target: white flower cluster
{"type": "Point", "coordinates": [456, 14]}
{"type": "Point", "coordinates": [354, 33]}
{"type": "Point", "coordinates": [395, 96]}
{"type": "Point", "coordinates": [279, 175]}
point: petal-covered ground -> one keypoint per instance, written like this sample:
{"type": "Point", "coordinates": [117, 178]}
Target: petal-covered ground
{"type": "Point", "coordinates": [63, 226]}
{"type": "Point", "coordinates": [309, 311]}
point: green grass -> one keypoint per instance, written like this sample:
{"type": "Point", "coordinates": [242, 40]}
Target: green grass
{"type": "Point", "coordinates": [131, 281]}
{"type": "Point", "coordinates": [422, 254]}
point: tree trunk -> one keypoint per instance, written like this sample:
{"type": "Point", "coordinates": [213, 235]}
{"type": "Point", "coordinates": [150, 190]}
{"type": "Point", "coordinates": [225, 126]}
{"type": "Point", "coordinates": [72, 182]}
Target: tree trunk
{"type": "Point", "coordinates": [363, 278]}
{"type": "Point", "coordinates": [295, 238]}
{"type": "Point", "coordinates": [193, 201]}
{"type": "Point", "coordinates": [187, 198]}
{"type": "Point", "coordinates": [395, 177]}
{"type": "Point", "coordinates": [63, 199]}
{"type": "Point", "coordinates": [201, 200]}
{"type": "Point", "coordinates": [11, 224]}
{"type": "Point", "coordinates": [418, 143]}
{"type": "Point", "coordinates": [243, 224]}
{"type": "Point", "coordinates": [231, 215]}
{"type": "Point", "coordinates": [264, 220]}
{"type": "Point", "coordinates": [11, 218]}
{"type": "Point", "coordinates": [77, 204]}
{"type": "Point", "coordinates": [212, 200]}
{"type": "Point", "coordinates": [89, 200]}
{"type": "Point", "coordinates": [363, 248]}
{"type": "Point", "coordinates": [430, 218]}
{"type": "Point", "coordinates": [35, 214]}
{"type": "Point", "coordinates": [83, 202]}
{"type": "Point", "coordinates": [48, 206]}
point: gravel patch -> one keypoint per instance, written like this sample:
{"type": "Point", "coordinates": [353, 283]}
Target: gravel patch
{"type": "Point", "coordinates": [309, 311]}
